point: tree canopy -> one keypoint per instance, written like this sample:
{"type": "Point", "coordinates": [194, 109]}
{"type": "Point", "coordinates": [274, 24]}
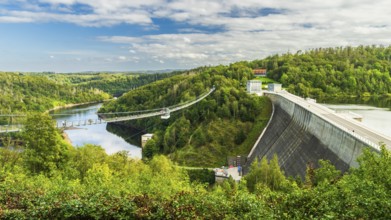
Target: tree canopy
{"type": "Point", "coordinates": [89, 184]}
{"type": "Point", "coordinates": [226, 123]}
{"type": "Point", "coordinates": [325, 72]}
{"type": "Point", "coordinates": [20, 93]}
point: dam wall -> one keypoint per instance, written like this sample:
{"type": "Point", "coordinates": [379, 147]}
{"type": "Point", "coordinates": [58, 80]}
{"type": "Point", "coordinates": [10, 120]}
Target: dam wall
{"type": "Point", "coordinates": [299, 136]}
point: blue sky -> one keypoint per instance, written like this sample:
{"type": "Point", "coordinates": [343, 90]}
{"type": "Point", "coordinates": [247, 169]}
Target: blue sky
{"type": "Point", "coordinates": [131, 35]}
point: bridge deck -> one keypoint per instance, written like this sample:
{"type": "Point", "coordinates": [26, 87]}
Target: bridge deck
{"type": "Point", "coordinates": [156, 112]}
{"type": "Point", "coordinates": [357, 129]}
{"type": "Point", "coordinates": [10, 128]}
{"type": "Point", "coordinates": [130, 115]}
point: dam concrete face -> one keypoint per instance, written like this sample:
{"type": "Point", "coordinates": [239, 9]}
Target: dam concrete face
{"type": "Point", "coordinates": [299, 137]}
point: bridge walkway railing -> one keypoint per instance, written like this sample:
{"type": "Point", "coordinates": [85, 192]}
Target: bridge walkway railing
{"type": "Point", "coordinates": [114, 117]}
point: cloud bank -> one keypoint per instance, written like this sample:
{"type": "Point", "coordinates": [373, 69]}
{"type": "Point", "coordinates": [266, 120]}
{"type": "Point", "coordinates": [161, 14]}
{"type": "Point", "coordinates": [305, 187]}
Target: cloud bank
{"type": "Point", "coordinates": [216, 31]}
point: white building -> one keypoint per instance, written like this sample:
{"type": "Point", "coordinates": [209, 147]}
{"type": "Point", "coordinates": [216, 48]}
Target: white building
{"type": "Point", "coordinates": [145, 138]}
{"type": "Point", "coordinates": [274, 87]}
{"type": "Point", "coordinates": [254, 86]}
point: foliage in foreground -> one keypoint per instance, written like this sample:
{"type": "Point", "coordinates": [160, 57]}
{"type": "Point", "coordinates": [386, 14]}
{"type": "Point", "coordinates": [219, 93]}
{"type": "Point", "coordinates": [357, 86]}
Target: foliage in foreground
{"type": "Point", "coordinates": [89, 184]}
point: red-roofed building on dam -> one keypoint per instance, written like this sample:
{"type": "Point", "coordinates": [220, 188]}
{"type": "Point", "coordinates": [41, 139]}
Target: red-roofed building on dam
{"type": "Point", "coordinates": [259, 72]}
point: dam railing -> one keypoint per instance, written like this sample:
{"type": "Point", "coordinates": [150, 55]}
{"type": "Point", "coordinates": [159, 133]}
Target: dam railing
{"type": "Point", "coordinates": [306, 105]}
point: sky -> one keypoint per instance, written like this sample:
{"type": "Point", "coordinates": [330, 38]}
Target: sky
{"type": "Point", "coordinates": [131, 35]}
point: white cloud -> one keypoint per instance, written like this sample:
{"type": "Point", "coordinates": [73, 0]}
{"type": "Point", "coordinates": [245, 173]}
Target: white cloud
{"type": "Point", "coordinates": [120, 39]}
{"type": "Point", "coordinates": [202, 12]}
{"type": "Point", "coordinates": [245, 29]}
{"type": "Point", "coordinates": [13, 19]}
{"type": "Point", "coordinates": [230, 46]}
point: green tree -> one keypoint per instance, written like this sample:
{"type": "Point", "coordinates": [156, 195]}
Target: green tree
{"type": "Point", "coordinates": [375, 167]}
{"type": "Point", "coordinates": [266, 174]}
{"type": "Point", "coordinates": [326, 173]}
{"type": "Point", "coordinates": [83, 158]}
{"type": "Point", "coordinates": [45, 150]}
{"type": "Point", "coordinates": [150, 149]}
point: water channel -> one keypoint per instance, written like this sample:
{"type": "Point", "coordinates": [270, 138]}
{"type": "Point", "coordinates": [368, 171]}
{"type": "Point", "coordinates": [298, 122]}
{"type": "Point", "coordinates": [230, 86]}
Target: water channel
{"type": "Point", "coordinates": [113, 138]}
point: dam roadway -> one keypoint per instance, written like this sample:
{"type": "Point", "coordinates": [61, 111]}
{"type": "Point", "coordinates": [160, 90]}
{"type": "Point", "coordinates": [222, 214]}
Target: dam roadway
{"type": "Point", "coordinates": [302, 132]}
{"type": "Point", "coordinates": [373, 138]}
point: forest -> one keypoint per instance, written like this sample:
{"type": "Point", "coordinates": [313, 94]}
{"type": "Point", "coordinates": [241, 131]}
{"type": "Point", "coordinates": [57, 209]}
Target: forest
{"type": "Point", "coordinates": [21, 93]}
{"type": "Point", "coordinates": [46, 178]}
{"type": "Point", "coordinates": [39, 92]}
{"type": "Point", "coordinates": [227, 123]}
{"type": "Point", "coordinates": [113, 83]}
{"type": "Point", "coordinates": [332, 72]}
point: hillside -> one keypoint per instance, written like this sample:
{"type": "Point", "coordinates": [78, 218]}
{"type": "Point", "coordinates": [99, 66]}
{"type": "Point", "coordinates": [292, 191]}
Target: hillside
{"type": "Point", "coordinates": [22, 93]}
{"type": "Point", "coordinates": [226, 123]}
{"type": "Point", "coordinates": [332, 72]}
{"type": "Point", "coordinates": [25, 92]}
{"type": "Point", "coordinates": [113, 83]}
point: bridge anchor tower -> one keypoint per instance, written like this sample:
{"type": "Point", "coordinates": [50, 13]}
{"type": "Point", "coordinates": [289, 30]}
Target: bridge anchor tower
{"type": "Point", "coordinates": [166, 114]}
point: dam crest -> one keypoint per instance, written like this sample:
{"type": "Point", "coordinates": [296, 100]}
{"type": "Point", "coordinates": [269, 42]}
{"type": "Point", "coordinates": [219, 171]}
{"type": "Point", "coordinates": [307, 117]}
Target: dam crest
{"type": "Point", "coordinates": [302, 132]}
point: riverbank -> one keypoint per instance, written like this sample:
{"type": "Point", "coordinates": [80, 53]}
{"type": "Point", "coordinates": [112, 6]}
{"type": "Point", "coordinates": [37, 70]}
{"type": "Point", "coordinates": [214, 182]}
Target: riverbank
{"type": "Point", "coordinates": [96, 134]}
{"type": "Point", "coordinates": [65, 137]}
{"type": "Point", "coordinates": [75, 105]}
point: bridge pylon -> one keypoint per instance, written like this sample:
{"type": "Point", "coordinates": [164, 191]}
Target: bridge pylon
{"type": "Point", "coordinates": [166, 114]}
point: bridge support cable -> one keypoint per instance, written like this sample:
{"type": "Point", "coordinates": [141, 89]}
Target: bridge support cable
{"type": "Point", "coordinates": [116, 116]}
{"type": "Point", "coordinates": [163, 112]}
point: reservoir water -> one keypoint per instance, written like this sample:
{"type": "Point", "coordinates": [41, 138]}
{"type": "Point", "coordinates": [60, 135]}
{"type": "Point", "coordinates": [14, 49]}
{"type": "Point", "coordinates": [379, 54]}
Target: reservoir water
{"type": "Point", "coordinates": [375, 118]}
{"type": "Point", "coordinates": [98, 134]}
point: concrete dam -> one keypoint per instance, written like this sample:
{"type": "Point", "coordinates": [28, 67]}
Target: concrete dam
{"type": "Point", "coordinates": [302, 132]}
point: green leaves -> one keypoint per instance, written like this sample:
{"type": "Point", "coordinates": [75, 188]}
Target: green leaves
{"type": "Point", "coordinates": [21, 93]}
{"type": "Point", "coordinates": [45, 150]}
{"type": "Point", "coordinates": [207, 132]}
{"type": "Point", "coordinates": [331, 72]}
{"type": "Point", "coordinates": [266, 174]}
{"type": "Point", "coordinates": [115, 187]}
{"type": "Point", "coordinates": [375, 167]}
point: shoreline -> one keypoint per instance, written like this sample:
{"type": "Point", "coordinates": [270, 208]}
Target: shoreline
{"type": "Point", "coordinates": [66, 138]}
{"type": "Point", "coordinates": [75, 104]}
{"type": "Point", "coordinates": [70, 106]}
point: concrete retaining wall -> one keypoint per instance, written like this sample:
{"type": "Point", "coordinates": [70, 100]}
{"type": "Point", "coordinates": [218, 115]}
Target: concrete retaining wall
{"type": "Point", "coordinates": [300, 137]}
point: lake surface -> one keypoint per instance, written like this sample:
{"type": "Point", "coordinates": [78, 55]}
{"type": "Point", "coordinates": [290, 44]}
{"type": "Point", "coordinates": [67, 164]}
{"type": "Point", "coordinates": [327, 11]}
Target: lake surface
{"type": "Point", "coordinates": [376, 118]}
{"type": "Point", "coordinates": [97, 134]}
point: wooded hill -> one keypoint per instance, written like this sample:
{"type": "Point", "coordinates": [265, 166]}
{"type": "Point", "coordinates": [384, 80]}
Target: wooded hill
{"type": "Point", "coordinates": [113, 83]}
{"type": "Point", "coordinates": [22, 93]}
{"type": "Point", "coordinates": [325, 72]}
{"type": "Point", "coordinates": [26, 92]}
{"type": "Point", "coordinates": [227, 123]}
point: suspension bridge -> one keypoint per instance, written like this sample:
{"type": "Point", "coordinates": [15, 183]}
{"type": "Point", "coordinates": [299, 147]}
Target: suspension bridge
{"type": "Point", "coordinates": [164, 113]}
